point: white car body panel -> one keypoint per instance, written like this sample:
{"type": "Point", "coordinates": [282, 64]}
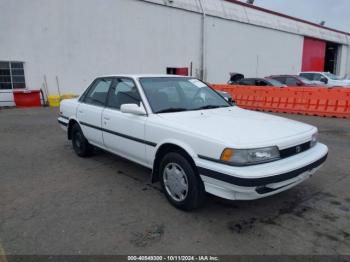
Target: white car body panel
{"type": "Point", "coordinates": [203, 134]}
{"type": "Point", "coordinates": [91, 114]}
{"type": "Point", "coordinates": [332, 82]}
{"type": "Point", "coordinates": [128, 124]}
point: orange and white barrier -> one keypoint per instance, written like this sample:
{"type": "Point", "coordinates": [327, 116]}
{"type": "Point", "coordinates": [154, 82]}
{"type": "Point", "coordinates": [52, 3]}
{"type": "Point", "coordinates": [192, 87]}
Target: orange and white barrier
{"type": "Point", "coordinates": [330, 102]}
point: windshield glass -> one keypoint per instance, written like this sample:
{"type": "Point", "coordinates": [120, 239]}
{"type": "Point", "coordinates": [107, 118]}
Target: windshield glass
{"type": "Point", "coordinates": [175, 94]}
{"type": "Point", "coordinates": [333, 77]}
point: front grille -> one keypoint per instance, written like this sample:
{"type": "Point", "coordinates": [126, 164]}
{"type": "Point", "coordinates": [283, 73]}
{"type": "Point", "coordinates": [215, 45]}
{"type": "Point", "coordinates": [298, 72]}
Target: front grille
{"type": "Point", "coordinates": [291, 151]}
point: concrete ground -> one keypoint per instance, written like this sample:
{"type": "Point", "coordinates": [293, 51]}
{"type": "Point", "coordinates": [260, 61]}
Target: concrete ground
{"type": "Point", "coordinates": [53, 202]}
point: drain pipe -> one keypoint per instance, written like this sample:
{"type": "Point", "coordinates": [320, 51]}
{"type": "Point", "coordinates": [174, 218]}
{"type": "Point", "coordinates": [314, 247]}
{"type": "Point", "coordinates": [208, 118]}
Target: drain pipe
{"type": "Point", "coordinates": [203, 43]}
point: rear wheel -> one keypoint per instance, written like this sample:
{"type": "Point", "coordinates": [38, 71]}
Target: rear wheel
{"type": "Point", "coordinates": [80, 145]}
{"type": "Point", "coordinates": [182, 186]}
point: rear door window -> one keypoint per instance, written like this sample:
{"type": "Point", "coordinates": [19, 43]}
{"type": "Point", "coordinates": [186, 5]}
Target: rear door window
{"type": "Point", "coordinates": [97, 94]}
{"type": "Point", "coordinates": [309, 76]}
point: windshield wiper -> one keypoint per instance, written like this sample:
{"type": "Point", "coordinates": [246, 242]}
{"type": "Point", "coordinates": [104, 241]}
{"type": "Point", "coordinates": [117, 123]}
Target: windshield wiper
{"type": "Point", "coordinates": [171, 109]}
{"type": "Point", "coordinates": [209, 107]}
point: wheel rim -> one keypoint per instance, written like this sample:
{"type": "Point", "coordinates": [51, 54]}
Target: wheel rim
{"type": "Point", "coordinates": [175, 181]}
{"type": "Point", "coordinates": [78, 140]}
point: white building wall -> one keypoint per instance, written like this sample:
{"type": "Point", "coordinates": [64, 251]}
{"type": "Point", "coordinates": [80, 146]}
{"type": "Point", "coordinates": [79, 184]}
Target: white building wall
{"type": "Point", "coordinates": [79, 40]}
{"type": "Point", "coordinates": [346, 59]}
{"type": "Point", "coordinates": [251, 50]}
{"type": "Point", "coordinates": [343, 56]}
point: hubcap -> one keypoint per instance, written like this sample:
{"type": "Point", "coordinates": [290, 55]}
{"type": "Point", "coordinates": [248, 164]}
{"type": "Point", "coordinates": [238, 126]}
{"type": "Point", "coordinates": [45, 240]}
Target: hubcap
{"type": "Point", "coordinates": [78, 139]}
{"type": "Point", "coordinates": [175, 181]}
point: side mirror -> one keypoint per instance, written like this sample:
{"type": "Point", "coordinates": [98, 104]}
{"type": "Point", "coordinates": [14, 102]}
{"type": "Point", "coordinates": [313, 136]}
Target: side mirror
{"type": "Point", "coordinates": [324, 80]}
{"type": "Point", "coordinates": [231, 101]}
{"type": "Point", "coordinates": [299, 83]}
{"type": "Point", "coordinates": [133, 109]}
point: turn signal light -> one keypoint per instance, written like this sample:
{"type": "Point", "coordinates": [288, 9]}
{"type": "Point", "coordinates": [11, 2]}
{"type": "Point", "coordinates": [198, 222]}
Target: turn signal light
{"type": "Point", "coordinates": [226, 154]}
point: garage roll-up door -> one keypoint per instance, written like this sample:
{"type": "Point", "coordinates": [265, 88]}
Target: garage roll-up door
{"type": "Point", "coordinates": [314, 53]}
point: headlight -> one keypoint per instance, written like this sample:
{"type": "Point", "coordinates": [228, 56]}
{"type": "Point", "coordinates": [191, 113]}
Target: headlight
{"type": "Point", "coordinates": [245, 157]}
{"type": "Point", "coordinates": [314, 140]}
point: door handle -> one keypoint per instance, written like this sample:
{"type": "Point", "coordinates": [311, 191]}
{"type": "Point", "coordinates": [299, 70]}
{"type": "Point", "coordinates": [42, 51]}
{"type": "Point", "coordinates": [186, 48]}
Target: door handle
{"type": "Point", "coordinates": [106, 118]}
{"type": "Point", "coordinates": [81, 111]}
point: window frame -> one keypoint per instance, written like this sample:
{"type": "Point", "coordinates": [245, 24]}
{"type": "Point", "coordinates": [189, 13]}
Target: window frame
{"type": "Point", "coordinates": [11, 74]}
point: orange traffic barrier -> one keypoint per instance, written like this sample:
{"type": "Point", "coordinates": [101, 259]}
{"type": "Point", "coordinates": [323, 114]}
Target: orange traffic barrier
{"type": "Point", "coordinates": [318, 101]}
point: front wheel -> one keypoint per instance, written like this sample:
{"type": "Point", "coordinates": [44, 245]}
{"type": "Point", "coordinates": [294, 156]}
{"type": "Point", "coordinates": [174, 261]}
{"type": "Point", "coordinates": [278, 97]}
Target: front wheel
{"type": "Point", "coordinates": [182, 186]}
{"type": "Point", "coordinates": [80, 145]}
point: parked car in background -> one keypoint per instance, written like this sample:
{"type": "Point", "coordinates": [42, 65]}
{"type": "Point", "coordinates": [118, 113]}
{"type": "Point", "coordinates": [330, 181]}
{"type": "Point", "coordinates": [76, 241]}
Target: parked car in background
{"type": "Point", "coordinates": [234, 78]}
{"type": "Point", "coordinates": [260, 82]}
{"type": "Point", "coordinates": [295, 80]}
{"type": "Point", "coordinates": [192, 139]}
{"type": "Point", "coordinates": [326, 78]}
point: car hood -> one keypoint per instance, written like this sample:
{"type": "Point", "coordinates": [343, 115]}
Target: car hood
{"type": "Point", "coordinates": [240, 128]}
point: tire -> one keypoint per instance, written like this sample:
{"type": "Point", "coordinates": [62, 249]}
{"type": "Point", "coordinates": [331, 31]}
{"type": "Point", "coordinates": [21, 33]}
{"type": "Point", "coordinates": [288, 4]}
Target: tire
{"type": "Point", "coordinates": [182, 186]}
{"type": "Point", "coordinates": [80, 145]}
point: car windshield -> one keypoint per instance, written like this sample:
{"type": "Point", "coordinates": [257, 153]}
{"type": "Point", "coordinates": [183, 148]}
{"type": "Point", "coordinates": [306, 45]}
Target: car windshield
{"type": "Point", "coordinates": [332, 76]}
{"type": "Point", "coordinates": [176, 94]}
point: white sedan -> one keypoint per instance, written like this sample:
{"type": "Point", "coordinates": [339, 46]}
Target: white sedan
{"type": "Point", "coordinates": [192, 139]}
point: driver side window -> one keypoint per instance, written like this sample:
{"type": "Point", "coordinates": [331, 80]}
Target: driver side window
{"type": "Point", "coordinates": [123, 91]}
{"type": "Point", "coordinates": [317, 77]}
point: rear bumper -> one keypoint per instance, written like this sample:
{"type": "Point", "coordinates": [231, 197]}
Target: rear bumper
{"type": "Point", "coordinates": [247, 183]}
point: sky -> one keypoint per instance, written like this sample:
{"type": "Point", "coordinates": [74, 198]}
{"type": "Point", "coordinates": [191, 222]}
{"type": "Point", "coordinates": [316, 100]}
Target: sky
{"type": "Point", "coordinates": [336, 13]}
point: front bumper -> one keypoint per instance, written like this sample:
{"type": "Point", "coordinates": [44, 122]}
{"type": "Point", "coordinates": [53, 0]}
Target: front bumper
{"type": "Point", "coordinates": [63, 121]}
{"type": "Point", "coordinates": [253, 182]}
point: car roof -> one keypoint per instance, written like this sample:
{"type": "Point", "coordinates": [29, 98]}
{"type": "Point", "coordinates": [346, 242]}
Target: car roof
{"type": "Point", "coordinates": [143, 75]}
{"type": "Point", "coordinates": [284, 76]}
{"type": "Point", "coordinates": [254, 78]}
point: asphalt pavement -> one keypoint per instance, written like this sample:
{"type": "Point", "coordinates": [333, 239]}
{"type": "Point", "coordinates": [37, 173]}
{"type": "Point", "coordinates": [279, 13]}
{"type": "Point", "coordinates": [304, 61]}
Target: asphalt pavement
{"type": "Point", "coordinates": [53, 202]}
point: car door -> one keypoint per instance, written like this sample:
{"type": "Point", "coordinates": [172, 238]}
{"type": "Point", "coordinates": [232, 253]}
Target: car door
{"type": "Point", "coordinates": [90, 109]}
{"type": "Point", "coordinates": [322, 78]}
{"type": "Point", "coordinates": [123, 133]}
